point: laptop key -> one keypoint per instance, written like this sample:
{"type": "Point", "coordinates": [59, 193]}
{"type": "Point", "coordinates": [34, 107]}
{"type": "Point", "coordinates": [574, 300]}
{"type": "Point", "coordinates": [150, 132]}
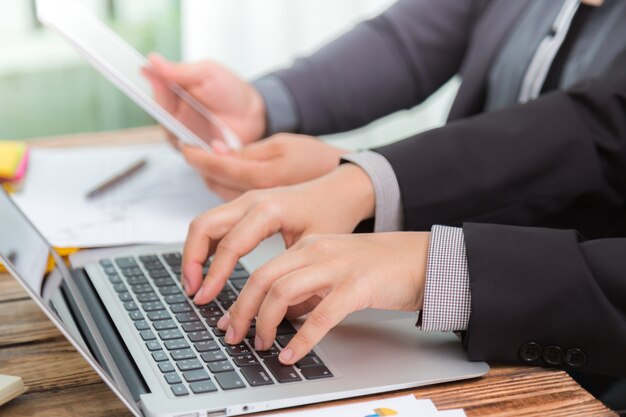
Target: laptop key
{"type": "Point", "coordinates": [316, 372]}
{"type": "Point", "coordinates": [212, 311]}
{"type": "Point", "coordinates": [158, 273]}
{"type": "Point", "coordinates": [142, 325]}
{"type": "Point", "coordinates": [170, 334]}
{"type": "Point", "coordinates": [132, 272]}
{"type": "Point", "coordinates": [137, 280]}
{"type": "Point", "coordinates": [238, 273]}
{"type": "Point", "coordinates": [282, 373]}
{"type": "Point", "coordinates": [213, 356]}
{"type": "Point", "coordinates": [164, 282]}
{"type": "Point", "coordinates": [159, 315]}
{"type": "Point", "coordinates": [166, 367]}
{"type": "Point", "coordinates": [245, 360]}
{"type": "Point", "coordinates": [120, 288]}
{"type": "Point", "coordinates": [229, 380]}
{"type": "Point", "coordinates": [181, 308]}
{"type": "Point", "coordinates": [115, 279]}
{"type": "Point", "coordinates": [179, 390]}
{"type": "Point", "coordinates": [147, 297]}
{"type": "Point", "coordinates": [130, 306]}
{"type": "Point", "coordinates": [206, 346]}
{"type": "Point", "coordinates": [227, 304]}
{"type": "Point", "coordinates": [176, 344]}
{"type": "Point", "coordinates": [256, 375]}
{"type": "Point", "coordinates": [180, 354]}
{"type": "Point", "coordinates": [147, 335]}
{"type": "Point", "coordinates": [148, 258]}
{"type": "Point", "coordinates": [273, 351]}
{"type": "Point", "coordinates": [202, 387]}
{"type": "Point", "coordinates": [153, 345]}
{"type": "Point", "coordinates": [240, 349]}
{"type": "Point", "coordinates": [311, 360]}
{"type": "Point", "coordinates": [136, 315]}
{"type": "Point", "coordinates": [125, 296]}
{"type": "Point", "coordinates": [285, 328]}
{"type": "Point", "coordinates": [175, 299]}
{"type": "Point", "coordinates": [187, 317]}
{"type": "Point", "coordinates": [221, 366]}
{"type": "Point", "coordinates": [106, 263]}
{"type": "Point", "coordinates": [172, 378]}
{"type": "Point", "coordinates": [199, 336]}
{"type": "Point", "coordinates": [127, 262]}
{"type": "Point", "coordinates": [173, 258]}
{"type": "Point", "coordinates": [227, 295]}
{"type": "Point", "coordinates": [217, 332]}
{"type": "Point", "coordinates": [189, 365]}
{"type": "Point", "coordinates": [164, 325]}
{"type": "Point", "coordinates": [284, 339]}
{"type": "Point", "coordinates": [212, 321]}
{"type": "Point", "coordinates": [197, 375]}
{"type": "Point", "coordinates": [141, 288]}
{"type": "Point", "coordinates": [194, 326]}
{"type": "Point", "coordinates": [239, 283]}
{"type": "Point", "coordinates": [159, 356]}
{"type": "Point", "coordinates": [152, 306]}
{"type": "Point", "coordinates": [169, 290]}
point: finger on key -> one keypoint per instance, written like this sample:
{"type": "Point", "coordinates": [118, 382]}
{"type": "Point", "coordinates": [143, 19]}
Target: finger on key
{"type": "Point", "coordinates": [253, 293]}
{"type": "Point", "coordinates": [204, 233]}
{"type": "Point", "coordinates": [330, 312]}
{"type": "Point", "coordinates": [257, 225]}
{"type": "Point", "coordinates": [290, 290]}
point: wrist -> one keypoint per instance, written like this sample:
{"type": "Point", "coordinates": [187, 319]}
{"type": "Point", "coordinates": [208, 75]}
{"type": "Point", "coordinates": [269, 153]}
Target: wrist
{"type": "Point", "coordinates": [257, 114]}
{"type": "Point", "coordinates": [354, 190]}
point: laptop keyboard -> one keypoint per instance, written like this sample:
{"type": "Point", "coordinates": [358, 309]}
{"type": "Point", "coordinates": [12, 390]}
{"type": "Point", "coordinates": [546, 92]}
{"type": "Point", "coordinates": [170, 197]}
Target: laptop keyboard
{"type": "Point", "coordinates": [183, 339]}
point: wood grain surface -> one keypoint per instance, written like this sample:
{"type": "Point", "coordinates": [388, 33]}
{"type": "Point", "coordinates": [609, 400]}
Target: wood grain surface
{"type": "Point", "coordinates": [60, 383]}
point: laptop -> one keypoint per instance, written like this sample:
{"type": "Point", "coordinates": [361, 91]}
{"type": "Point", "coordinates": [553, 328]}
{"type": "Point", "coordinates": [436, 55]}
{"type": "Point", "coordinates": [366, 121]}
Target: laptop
{"type": "Point", "coordinates": [124, 311]}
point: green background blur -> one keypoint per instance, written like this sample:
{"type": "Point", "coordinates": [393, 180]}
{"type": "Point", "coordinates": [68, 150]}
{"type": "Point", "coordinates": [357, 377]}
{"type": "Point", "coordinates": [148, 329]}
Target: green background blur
{"type": "Point", "coordinates": [47, 89]}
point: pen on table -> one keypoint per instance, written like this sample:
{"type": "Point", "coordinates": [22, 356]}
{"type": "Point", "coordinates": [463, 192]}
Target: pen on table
{"type": "Point", "coordinates": [117, 179]}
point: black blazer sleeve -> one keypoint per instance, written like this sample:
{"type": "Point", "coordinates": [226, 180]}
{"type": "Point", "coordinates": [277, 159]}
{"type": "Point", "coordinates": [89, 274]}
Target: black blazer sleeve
{"type": "Point", "coordinates": [558, 161]}
{"type": "Point", "coordinates": [546, 297]}
{"type": "Point", "coordinates": [385, 64]}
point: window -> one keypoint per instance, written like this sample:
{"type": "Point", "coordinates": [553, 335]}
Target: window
{"type": "Point", "coordinates": [46, 88]}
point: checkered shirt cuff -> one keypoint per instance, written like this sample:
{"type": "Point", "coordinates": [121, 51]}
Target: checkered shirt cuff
{"type": "Point", "coordinates": [447, 297]}
{"type": "Point", "coordinates": [388, 215]}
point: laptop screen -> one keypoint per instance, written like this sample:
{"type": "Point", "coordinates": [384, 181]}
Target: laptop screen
{"type": "Point", "coordinates": [34, 263]}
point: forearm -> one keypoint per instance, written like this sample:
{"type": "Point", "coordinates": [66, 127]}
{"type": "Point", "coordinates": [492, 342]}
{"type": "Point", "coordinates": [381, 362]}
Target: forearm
{"type": "Point", "coordinates": [521, 165]}
{"type": "Point", "coordinates": [391, 62]}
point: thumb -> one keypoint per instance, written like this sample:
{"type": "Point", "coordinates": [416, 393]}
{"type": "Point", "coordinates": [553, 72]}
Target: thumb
{"type": "Point", "coordinates": [261, 150]}
{"type": "Point", "coordinates": [183, 74]}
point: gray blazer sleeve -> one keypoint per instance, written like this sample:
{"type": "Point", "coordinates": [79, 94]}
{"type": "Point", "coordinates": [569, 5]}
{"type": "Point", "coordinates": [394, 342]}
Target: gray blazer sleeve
{"type": "Point", "coordinates": [385, 64]}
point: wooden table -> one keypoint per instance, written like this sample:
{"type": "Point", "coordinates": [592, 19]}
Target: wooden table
{"type": "Point", "coordinates": [61, 384]}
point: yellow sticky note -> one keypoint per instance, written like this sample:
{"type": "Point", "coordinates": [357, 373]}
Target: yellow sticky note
{"type": "Point", "coordinates": [64, 252]}
{"type": "Point", "coordinates": [11, 155]}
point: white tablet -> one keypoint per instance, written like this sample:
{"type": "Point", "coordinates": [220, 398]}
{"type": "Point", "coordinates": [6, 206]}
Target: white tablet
{"type": "Point", "coordinates": [121, 64]}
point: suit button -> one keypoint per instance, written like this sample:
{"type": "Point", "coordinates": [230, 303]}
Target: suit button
{"type": "Point", "coordinates": [553, 355]}
{"type": "Point", "coordinates": [530, 352]}
{"type": "Point", "coordinates": [575, 358]}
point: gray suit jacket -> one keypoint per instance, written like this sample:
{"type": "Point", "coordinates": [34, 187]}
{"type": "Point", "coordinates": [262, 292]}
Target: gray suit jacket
{"type": "Point", "coordinates": [399, 59]}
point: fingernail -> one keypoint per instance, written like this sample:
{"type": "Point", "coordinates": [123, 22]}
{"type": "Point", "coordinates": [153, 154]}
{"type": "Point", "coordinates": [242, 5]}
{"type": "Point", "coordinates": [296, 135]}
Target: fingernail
{"type": "Point", "coordinates": [258, 343]}
{"type": "Point", "coordinates": [219, 147]}
{"type": "Point", "coordinates": [286, 355]}
{"type": "Point", "coordinates": [224, 322]}
{"type": "Point", "coordinates": [198, 296]}
{"type": "Point", "coordinates": [230, 335]}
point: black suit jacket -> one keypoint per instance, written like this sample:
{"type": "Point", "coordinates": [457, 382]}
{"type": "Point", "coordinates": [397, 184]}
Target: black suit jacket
{"type": "Point", "coordinates": [540, 296]}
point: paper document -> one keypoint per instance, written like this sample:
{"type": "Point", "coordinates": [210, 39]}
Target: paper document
{"type": "Point", "coordinates": [154, 206]}
{"type": "Point", "coordinates": [406, 406]}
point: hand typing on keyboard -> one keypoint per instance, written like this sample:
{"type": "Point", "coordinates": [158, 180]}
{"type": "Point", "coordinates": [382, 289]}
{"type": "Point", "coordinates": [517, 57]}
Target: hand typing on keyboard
{"type": "Point", "coordinates": [325, 276]}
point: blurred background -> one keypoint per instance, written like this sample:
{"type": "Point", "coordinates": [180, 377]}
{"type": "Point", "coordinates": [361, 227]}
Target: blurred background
{"type": "Point", "coordinates": [47, 89]}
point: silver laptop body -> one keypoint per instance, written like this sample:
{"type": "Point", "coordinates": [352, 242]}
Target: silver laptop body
{"type": "Point", "coordinates": [369, 352]}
